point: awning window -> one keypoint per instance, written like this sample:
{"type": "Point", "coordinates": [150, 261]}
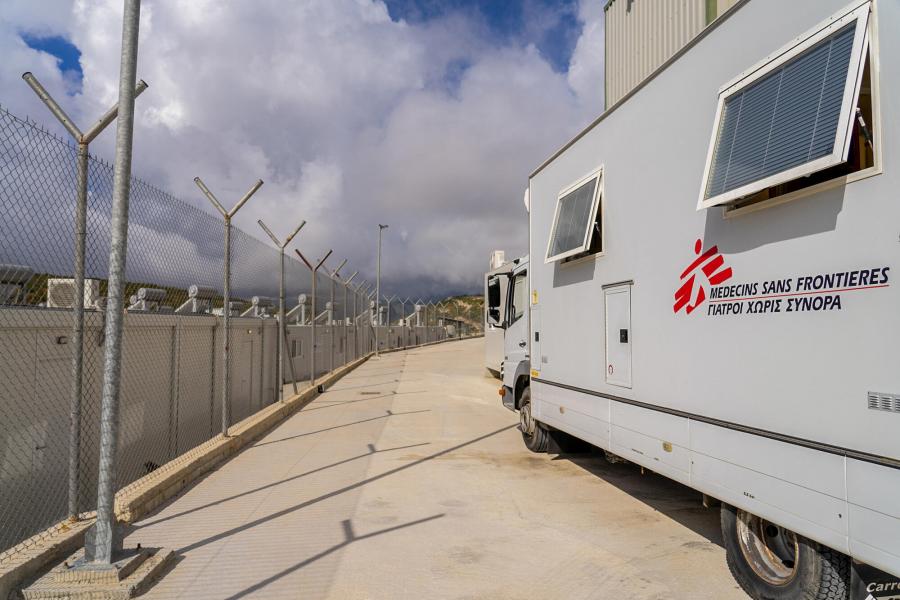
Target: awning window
{"type": "Point", "coordinates": [791, 116]}
{"type": "Point", "coordinates": [574, 222]}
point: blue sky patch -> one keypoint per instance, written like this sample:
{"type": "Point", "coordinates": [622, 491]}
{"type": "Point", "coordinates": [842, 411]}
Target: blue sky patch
{"type": "Point", "coordinates": [551, 25]}
{"type": "Point", "coordinates": [68, 56]}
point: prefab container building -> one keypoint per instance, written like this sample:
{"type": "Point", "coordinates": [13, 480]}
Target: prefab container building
{"type": "Point", "coordinates": [640, 35]}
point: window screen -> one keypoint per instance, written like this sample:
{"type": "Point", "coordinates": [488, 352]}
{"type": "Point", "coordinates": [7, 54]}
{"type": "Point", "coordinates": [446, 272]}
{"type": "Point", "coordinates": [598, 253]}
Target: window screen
{"type": "Point", "coordinates": [789, 118]}
{"type": "Point", "coordinates": [572, 226]}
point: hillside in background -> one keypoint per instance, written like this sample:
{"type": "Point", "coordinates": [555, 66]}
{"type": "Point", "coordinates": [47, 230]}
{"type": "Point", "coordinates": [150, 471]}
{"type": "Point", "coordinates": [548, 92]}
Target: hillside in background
{"type": "Point", "coordinates": [469, 309]}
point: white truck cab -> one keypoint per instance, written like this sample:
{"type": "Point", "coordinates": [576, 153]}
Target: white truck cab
{"type": "Point", "coordinates": [496, 281]}
{"type": "Point", "coordinates": [513, 322]}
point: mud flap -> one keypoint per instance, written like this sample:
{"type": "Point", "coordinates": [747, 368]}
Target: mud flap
{"type": "Point", "coordinates": [869, 583]}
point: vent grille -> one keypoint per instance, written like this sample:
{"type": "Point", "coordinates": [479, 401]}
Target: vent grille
{"type": "Point", "coordinates": [888, 402]}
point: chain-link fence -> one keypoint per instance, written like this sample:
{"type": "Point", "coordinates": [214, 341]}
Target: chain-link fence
{"type": "Point", "coordinates": [172, 361]}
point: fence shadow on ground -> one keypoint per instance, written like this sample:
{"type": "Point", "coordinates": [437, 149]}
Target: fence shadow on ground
{"type": "Point", "coordinates": [349, 538]}
{"type": "Point", "coordinates": [353, 486]}
{"type": "Point", "coordinates": [268, 486]}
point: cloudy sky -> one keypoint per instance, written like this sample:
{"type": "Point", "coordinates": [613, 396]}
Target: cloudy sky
{"type": "Point", "coordinates": [426, 115]}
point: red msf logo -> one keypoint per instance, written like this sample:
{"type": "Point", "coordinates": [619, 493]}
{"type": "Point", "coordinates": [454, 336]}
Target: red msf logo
{"type": "Point", "coordinates": [710, 263]}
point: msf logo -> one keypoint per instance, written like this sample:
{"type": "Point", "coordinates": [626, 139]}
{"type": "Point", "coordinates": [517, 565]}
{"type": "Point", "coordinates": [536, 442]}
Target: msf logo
{"type": "Point", "coordinates": [692, 292]}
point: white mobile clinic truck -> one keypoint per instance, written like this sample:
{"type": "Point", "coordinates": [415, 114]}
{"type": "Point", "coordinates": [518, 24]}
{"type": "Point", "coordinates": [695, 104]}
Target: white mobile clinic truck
{"type": "Point", "coordinates": [712, 288]}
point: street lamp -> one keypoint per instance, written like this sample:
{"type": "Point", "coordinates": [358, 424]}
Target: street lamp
{"type": "Point", "coordinates": [282, 342]}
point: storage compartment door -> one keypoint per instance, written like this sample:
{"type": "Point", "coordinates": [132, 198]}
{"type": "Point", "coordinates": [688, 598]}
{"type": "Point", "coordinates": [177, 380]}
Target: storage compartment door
{"type": "Point", "coordinates": [618, 335]}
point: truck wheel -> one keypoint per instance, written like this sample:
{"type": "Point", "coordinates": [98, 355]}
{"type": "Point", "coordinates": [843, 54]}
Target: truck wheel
{"type": "Point", "coordinates": [534, 434]}
{"type": "Point", "coordinates": [773, 563]}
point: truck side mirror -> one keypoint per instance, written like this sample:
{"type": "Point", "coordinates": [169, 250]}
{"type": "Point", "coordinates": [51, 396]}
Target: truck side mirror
{"type": "Point", "coordinates": [494, 317]}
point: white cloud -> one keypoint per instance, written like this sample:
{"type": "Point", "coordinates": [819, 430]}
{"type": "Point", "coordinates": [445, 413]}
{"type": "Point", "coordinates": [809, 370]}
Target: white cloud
{"type": "Point", "coordinates": [347, 115]}
{"type": "Point", "coordinates": [586, 68]}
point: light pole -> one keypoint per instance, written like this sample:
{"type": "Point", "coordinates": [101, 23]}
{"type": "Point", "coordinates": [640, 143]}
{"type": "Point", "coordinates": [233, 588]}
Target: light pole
{"type": "Point", "coordinates": [282, 343]}
{"type": "Point", "coordinates": [381, 229]}
{"type": "Point", "coordinates": [333, 327]}
{"type": "Point", "coordinates": [81, 184]}
{"type": "Point", "coordinates": [226, 292]}
{"type": "Point", "coordinates": [312, 353]}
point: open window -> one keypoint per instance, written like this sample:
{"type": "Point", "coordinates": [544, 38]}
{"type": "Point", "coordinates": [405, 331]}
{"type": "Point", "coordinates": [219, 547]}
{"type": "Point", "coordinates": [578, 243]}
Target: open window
{"type": "Point", "coordinates": [802, 117]}
{"type": "Point", "coordinates": [494, 300]}
{"type": "Point", "coordinates": [578, 222]}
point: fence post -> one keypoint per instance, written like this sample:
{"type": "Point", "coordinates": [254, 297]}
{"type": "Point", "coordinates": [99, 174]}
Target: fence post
{"type": "Point", "coordinates": [280, 354]}
{"type": "Point", "coordinates": [104, 540]}
{"type": "Point", "coordinates": [381, 229]}
{"type": "Point", "coordinates": [333, 323]}
{"type": "Point", "coordinates": [226, 292]}
{"type": "Point", "coordinates": [81, 186]}
{"type": "Point", "coordinates": [356, 341]}
{"type": "Point", "coordinates": [312, 332]}
{"type": "Point", "coordinates": [314, 272]}
{"type": "Point", "coordinates": [344, 315]}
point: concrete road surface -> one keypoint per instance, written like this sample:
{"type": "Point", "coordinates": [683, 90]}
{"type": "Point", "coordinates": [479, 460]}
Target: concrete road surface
{"type": "Point", "coordinates": [408, 479]}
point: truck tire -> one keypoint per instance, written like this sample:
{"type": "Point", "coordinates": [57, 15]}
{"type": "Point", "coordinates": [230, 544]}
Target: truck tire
{"type": "Point", "coordinates": [773, 563]}
{"type": "Point", "coordinates": [534, 433]}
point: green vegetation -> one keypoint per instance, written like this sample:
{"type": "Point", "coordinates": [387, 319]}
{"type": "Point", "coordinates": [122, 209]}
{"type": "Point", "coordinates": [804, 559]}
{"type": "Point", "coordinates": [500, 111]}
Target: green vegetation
{"type": "Point", "coordinates": [469, 309]}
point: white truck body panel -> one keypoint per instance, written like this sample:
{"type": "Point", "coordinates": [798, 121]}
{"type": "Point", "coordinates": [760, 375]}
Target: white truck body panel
{"type": "Point", "coordinates": [768, 412]}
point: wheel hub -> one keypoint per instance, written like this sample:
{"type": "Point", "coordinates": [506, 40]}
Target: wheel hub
{"type": "Point", "coordinates": [526, 423]}
{"type": "Point", "coordinates": [770, 550]}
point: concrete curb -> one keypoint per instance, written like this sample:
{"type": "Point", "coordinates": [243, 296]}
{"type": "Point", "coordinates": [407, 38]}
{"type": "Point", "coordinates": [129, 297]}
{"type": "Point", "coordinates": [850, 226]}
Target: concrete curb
{"type": "Point", "coordinates": [138, 499]}
{"type": "Point", "coordinates": [46, 548]}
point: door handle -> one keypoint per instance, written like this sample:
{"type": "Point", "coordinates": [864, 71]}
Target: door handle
{"type": "Point", "coordinates": [522, 344]}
